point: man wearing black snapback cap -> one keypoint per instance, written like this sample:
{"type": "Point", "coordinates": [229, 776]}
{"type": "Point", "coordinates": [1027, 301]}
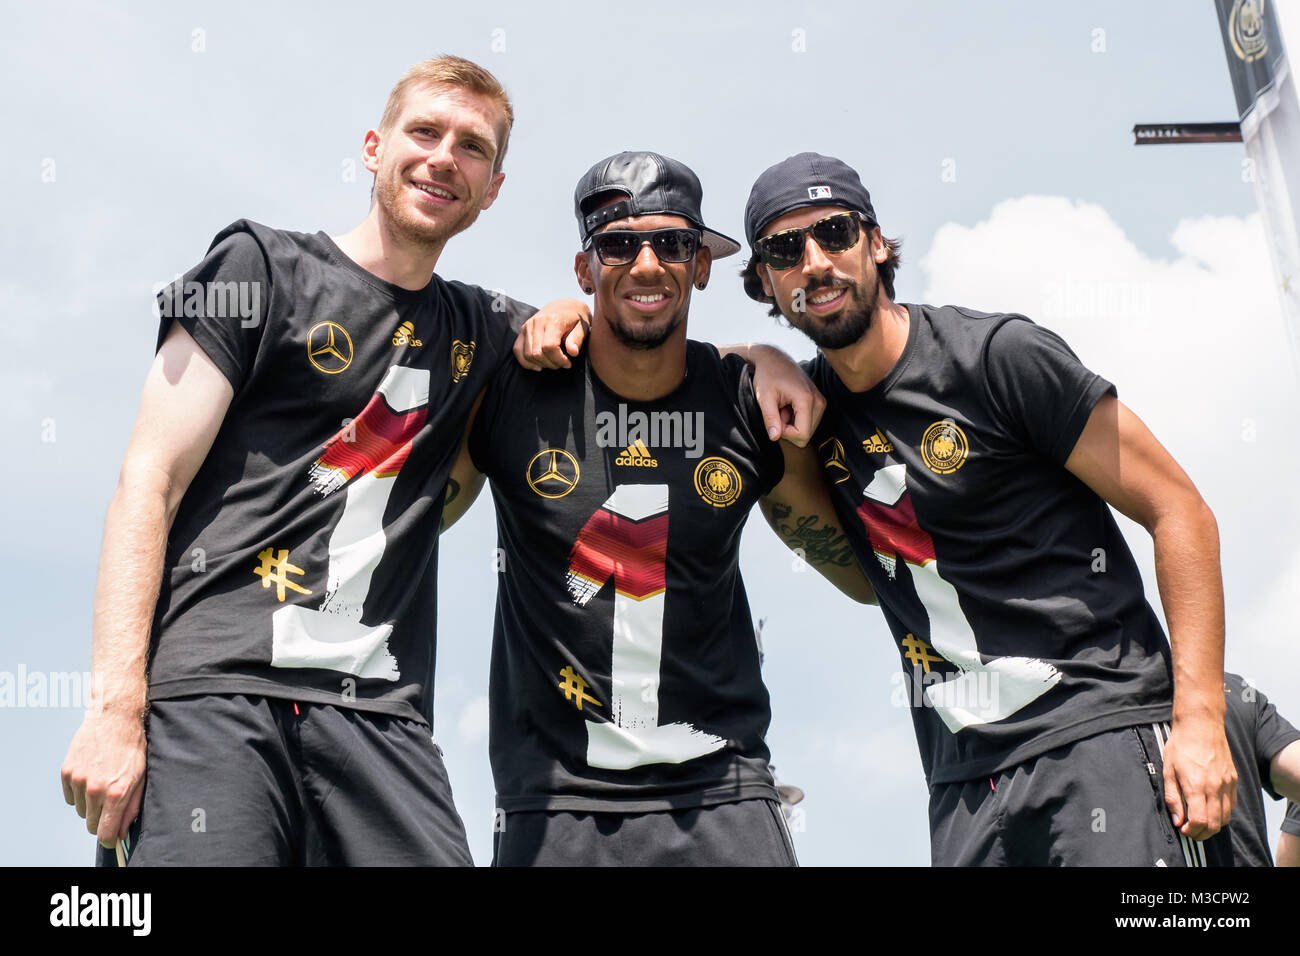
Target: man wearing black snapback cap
{"type": "Point", "coordinates": [971, 459]}
{"type": "Point", "coordinates": [627, 711]}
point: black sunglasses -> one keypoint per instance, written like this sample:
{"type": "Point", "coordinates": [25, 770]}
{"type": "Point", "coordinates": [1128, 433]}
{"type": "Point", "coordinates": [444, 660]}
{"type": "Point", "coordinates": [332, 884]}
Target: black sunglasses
{"type": "Point", "coordinates": [618, 247]}
{"type": "Point", "coordinates": [784, 250]}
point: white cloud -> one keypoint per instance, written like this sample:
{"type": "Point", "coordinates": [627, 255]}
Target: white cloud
{"type": "Point", "coordinates": [1195, 345]}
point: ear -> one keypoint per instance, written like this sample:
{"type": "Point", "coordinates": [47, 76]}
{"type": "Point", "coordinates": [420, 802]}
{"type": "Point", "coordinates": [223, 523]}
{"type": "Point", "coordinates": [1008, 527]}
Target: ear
{"type": "Point", "coordinates": [370, 151]}
{"type": "Point", "coordinates": [879, 251]}
{"type": "Point", "coordinates": [765, 278]}
{"type": "Point", "coordinates": [703, 265]}
{"type": "Point", "coordinates": [495, 188]}
{"type": "Point", "coordinates": [582, 269]}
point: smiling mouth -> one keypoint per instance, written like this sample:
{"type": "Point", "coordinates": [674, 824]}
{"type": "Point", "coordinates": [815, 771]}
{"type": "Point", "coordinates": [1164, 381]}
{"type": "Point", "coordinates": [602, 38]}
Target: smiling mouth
{"type": "Point", "coordinates": [437, 192]}
{"type": "Point", "coordinates": [647, 301]}
{"type": "Point", "coordinates": [826, 298]}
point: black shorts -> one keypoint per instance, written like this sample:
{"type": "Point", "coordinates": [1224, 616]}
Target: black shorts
{"type": "Point", "coordinates": [235, 780]}
{"type": "Point", "coordinates": [743, 833]}
{"type": "Point", "coordinates": [1094, 802]}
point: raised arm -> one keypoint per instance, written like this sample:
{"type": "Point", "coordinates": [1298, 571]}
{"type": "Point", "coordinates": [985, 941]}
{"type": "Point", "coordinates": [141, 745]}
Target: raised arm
{"type": "Point", "coordinates": [799, 510]}
{"type": "Point", "coordinates": [1118, 457]}
{"type": "Point", "coordinates": [791, 404]}
{"type": "Point", "coordinates": [181, 410]}
{"type": "Point", "coordinates": [553, 334]}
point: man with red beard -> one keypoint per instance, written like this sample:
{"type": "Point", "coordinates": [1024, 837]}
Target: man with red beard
{"type": "Point", "coordinates": [971, 459]}
{"type": "Point", "coordinates": [269, 556]}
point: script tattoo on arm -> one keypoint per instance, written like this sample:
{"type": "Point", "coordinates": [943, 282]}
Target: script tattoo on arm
{"type": "Point", "coordinates": [821, 544]}
{"type": "Point", "coordinates": [801, 512]}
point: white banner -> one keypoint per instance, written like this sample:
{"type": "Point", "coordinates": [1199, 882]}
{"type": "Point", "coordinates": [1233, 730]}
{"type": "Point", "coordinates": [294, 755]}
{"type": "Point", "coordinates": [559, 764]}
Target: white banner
{"type": "Point", "coordinates": [1270, 127]}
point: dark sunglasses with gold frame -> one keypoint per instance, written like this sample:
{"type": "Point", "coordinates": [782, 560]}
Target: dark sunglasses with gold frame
{"type": "Point", "coordinates": [835, 233]}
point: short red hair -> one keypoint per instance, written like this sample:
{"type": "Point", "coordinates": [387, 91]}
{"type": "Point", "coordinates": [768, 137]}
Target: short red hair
{"type": "Point", "coordinates": [453, 71]}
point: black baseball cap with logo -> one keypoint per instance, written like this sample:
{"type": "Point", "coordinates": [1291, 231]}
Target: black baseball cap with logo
{"type": "Point", "coordinates": [807, 179]}
{"type": "Point", "coordinates": [654, 185]}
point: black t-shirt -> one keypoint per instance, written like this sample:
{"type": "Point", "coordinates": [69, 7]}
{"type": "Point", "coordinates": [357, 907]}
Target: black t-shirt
{"type": "Point", "coordinates": [625, 671]}
{"type": "Point", "coordinates": [1256, 734]}
{"type": "Point", "coordinates": [1016, 604]}
{"type": "Point", "coordinates": [1291, 822]}
{"type": "Point", "coordinates": [302, 560]}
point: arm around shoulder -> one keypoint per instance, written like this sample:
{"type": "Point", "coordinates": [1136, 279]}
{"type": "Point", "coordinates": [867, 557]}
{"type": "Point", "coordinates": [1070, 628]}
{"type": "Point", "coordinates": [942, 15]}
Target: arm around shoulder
{"type": "Point", "coordinates": [792, 406]}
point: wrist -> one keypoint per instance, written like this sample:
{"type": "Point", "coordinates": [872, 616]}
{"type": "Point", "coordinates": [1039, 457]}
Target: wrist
{"type": "Point", "coordinates": [1198, 714]}
{"type": "Point", "coordinates": [117, 702]}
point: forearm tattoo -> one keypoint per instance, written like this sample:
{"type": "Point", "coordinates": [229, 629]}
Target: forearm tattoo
{"type": "Point", "coordinates": [821, 544]}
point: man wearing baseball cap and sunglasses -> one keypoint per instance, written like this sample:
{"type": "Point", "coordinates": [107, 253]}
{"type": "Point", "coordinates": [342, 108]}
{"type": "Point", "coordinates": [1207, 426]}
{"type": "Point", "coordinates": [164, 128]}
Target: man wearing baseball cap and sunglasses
{"type": "Point", "coordinates": [971, 458]}
{"type": "Point", "coordinates": [628, 713]}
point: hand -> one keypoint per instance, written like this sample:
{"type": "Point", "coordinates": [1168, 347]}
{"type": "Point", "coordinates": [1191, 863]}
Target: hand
{"type": "Point", "coordinates": [556, 329]}
{"type": "Point", "coordinates": [103, 773]}
{"type": "Point", "coordinates": [791, 405]}
{"type": "Point", "coordinates": [1200, 778]}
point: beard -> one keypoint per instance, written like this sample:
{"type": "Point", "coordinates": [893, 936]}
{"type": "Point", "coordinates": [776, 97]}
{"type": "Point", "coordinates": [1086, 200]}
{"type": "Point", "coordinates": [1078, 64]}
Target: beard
{"type": "Point", "coordinates": [412, 227]}
{"type": "Point", "coordinates": [844, 328]}
{"type": "Point", "coordinates": [644, 336]}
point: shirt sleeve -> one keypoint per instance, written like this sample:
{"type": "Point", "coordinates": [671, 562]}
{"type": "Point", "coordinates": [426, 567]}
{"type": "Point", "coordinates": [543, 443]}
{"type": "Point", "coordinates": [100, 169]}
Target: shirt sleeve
{"type": "Point", "coordinates": [222, 302]}
{"type": "Point", "coordinates": [1272, 733]}
{"type": "Point", "coordinates": [504, 370]}
{"type": "Point", "coordinates": [814, 370]}
{"type": "Point", "coordinates": [771, 461]}
{"type": "Point", "coordinates": [485, 422]}
{"type": "Point", "coordinates": [1039, 388]}
{"type": "Point", "coordinates": [514, 313]}
{"type": "Point", "coordinates": [1291, 823]}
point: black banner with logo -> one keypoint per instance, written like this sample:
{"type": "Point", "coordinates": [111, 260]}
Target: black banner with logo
{"type": "Point", "coordinates": [1253, 44]}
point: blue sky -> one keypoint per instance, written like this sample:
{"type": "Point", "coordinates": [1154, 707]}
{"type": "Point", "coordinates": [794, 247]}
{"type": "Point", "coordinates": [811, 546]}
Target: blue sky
{"type": "Point", "coordinates": [994, 139]}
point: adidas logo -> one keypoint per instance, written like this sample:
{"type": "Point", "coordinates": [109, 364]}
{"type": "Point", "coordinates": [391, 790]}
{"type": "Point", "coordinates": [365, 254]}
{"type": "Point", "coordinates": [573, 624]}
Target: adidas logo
{"type": "Point", "coordinates": [637, 455]}
{"type": "Point", "coordinates": [877, 444]}
{"type": "Point", "coordinates": [405, 335]}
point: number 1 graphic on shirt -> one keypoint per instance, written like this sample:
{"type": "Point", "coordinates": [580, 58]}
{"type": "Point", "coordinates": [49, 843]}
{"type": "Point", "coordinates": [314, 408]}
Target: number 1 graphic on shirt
{"type": "Point", "coordinates": [627, 540]}
{"type": "Point", "coordinates": [986, 691]}
{"type": "Point", "coordinates": [361, 461]}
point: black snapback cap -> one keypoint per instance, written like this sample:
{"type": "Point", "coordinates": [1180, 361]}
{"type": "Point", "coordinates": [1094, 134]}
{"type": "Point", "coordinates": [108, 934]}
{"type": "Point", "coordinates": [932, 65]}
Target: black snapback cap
{"type": "Point", "coordinates": [654, 185]}
{"type": "Point", "coordinates": [806, 179]}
